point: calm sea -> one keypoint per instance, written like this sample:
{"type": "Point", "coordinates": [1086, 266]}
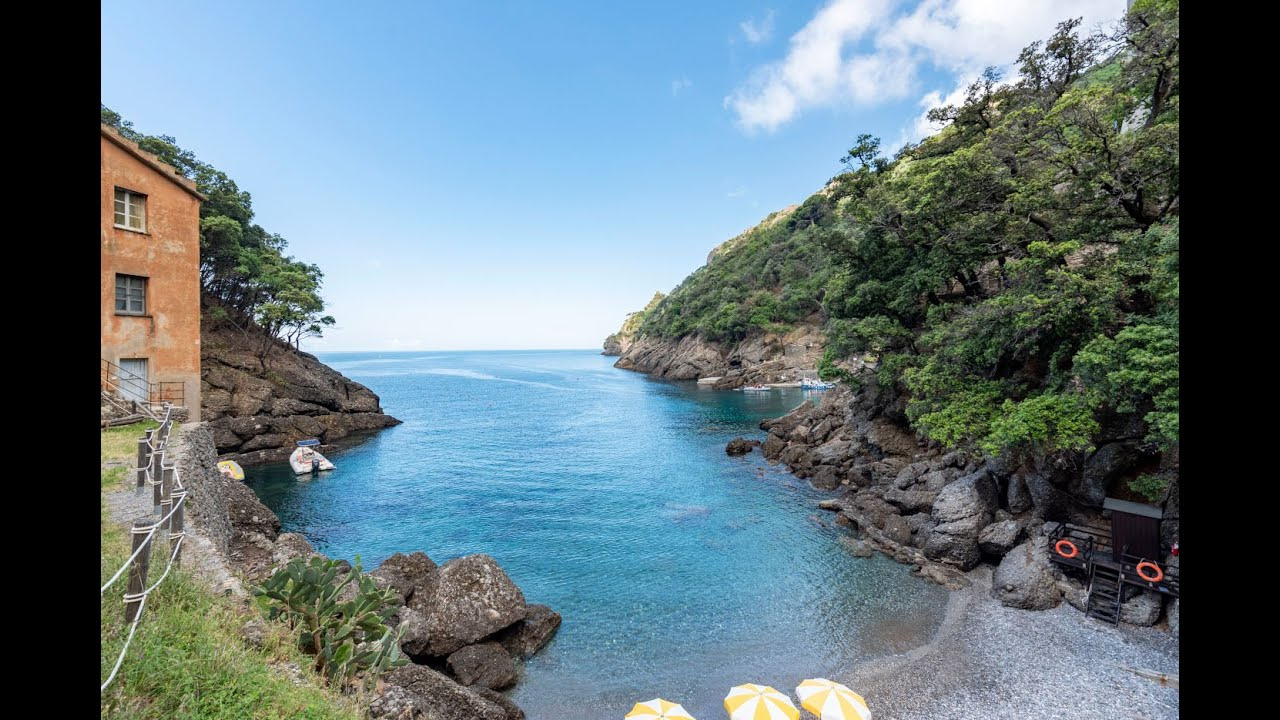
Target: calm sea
{"type": "Point", "coordinates": [607, 495]}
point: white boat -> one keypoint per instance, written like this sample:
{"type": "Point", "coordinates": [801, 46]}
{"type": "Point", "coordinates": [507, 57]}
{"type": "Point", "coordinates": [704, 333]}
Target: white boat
{"type": "Point", "coordinates": [755, 388]}
{"type": "Point", "coordinates": [811, 384]}
{"type": "Point", "coordinates": [306, 459]}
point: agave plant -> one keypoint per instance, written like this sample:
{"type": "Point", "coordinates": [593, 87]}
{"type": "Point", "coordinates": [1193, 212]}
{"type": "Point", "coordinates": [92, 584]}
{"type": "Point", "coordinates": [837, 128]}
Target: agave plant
{"type": "Point", "coordinates": [346, 636]}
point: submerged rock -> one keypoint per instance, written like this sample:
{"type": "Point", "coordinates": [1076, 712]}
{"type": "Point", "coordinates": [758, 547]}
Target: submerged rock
{"type": "Point", "coordinates": [485, 664]}
{"type": "Point", "coordinates": [526, 637]}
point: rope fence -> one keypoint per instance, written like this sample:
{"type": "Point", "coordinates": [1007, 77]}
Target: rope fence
{"type": "Point", "coordinates": [168, 498]}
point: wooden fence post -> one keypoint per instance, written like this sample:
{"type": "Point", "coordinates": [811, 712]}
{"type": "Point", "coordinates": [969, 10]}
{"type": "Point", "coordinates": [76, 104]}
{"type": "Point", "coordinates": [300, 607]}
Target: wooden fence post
{"type": "Point", "coordinates": [138, 569]}
{"type": "Point", "coordinates": [157, 461]}
{"type": "Point", "coordinates": [166, 493]}
{"type": "Point", "coordinates": [177, 524]}
{"type": "Point", "coordinates": [143, 460]}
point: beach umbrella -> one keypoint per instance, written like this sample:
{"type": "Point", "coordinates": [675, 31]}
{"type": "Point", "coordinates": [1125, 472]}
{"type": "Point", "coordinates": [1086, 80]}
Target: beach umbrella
{"type": "Point", "coordinates": [658, 709]}
{"type": "Point", "coordinates": [759, 702]}
{"type": "Point", "coordinates": [831, 700]}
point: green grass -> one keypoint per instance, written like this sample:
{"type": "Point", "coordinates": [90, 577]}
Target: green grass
{"type": "Point", "coordinates": [188, 660]}
{"type": "Point", "coordinates": [120, 444]}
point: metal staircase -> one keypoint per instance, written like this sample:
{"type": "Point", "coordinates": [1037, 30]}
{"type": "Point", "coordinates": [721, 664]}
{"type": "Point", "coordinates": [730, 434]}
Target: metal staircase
{"type": "Point", "coordinates": [129, 393]}
{"type": "Point", "coordinates": [1104, 594]}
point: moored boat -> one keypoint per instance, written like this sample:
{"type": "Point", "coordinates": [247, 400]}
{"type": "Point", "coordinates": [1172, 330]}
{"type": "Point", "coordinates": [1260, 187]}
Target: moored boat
{"type": "Point", "coordinates": [306, 459]}
{"type": "Point", "coordinates": [755, 388]}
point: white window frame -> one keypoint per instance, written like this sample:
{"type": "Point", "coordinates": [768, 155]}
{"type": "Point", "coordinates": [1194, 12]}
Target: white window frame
{"type": "Point", "coordinates": [143, 281]}
{"type": "Point", "coordinates": [134, 204]}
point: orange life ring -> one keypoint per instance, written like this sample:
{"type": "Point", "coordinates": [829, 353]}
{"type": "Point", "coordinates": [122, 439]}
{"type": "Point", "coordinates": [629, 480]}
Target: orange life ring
{"type": "Point", "coordinates": [1149, 578]}
{"type": "Point", "coordinates": [1058, 547]}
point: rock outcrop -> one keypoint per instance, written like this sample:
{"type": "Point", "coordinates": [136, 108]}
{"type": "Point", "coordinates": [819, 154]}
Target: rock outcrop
{"type": "Point", "coordinates": [1024, 579]}
{"type": "Point", "coordinates": [619, 342]}
{"type": "Point", "coordinates": [740, 446]}
{"type": "Point", "coordinates": [256, 414]}
{"type": "Point", "coordinates": [470, 598]}
{"type": "Point", "coordinates": [764, 358]}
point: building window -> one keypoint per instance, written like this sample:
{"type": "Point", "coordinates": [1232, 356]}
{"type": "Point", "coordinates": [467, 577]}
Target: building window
{"type": "Point", "coordinates": [131, 295]}
{"type": "Point", "coordinates": [131, 210]}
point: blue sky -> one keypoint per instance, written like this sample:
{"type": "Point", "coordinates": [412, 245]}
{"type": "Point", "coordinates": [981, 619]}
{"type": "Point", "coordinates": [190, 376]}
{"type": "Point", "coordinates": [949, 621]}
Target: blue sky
{"type": "Point", "coordinates": [487, 175]}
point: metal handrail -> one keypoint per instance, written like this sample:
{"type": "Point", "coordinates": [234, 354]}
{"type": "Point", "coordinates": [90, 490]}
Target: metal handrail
{"type": "Point", "coordinates": [115, 377]}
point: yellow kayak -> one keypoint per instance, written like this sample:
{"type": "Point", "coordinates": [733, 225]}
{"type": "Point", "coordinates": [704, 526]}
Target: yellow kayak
{"type": "Point", "coordinates": [231, 469]}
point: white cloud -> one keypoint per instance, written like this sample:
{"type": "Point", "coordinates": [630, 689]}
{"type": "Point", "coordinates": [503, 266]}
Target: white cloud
{"type": "Point", "coordinates": [757, 33]}
{"type": "Point", "coordinates": [859, 53]}
{"type": "Point", "coordinates": [680, 84]}
{"type": "Point", "coordinates": [736, 193]}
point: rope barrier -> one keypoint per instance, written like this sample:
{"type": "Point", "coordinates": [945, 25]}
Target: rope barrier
{"type": "Point", "coordinates": [119, 660]}
{"type": "Point", "coordinates": [178, 498]}
{"type": "Point", "coordinates": [149, 530]}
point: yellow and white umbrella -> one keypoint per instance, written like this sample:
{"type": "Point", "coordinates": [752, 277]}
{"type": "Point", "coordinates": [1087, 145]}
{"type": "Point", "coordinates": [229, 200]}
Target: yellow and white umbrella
{"type": "Point", "coordinates": [658, 709]}
{"type": "Point", "coordinates": [831, 700]}
{"type": "Point", "coordinates": [759, 702]}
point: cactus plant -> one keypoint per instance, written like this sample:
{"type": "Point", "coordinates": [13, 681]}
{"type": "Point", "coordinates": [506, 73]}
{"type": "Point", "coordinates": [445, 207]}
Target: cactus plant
{"type": "Point", "coordinates": [347, 637]}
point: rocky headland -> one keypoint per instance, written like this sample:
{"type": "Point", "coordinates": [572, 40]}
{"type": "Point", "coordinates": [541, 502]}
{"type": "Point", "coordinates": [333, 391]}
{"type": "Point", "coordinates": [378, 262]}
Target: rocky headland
{"type": "Point", "coordinates": [257, 412]}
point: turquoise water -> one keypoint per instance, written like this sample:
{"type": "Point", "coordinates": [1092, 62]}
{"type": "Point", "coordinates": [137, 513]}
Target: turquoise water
{"type": "Point", "coordinates": [679, 570]}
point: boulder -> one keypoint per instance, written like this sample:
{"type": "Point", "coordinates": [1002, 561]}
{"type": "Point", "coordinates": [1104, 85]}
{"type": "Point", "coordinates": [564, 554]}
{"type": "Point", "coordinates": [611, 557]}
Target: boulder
{"type": "Point", "coordinates": [999, 538]}
{"type": "Point", "coordinates": [511, 709]}
{"type": "Point", "coordinates": [1017, 496]}
{"type": "Point", "coordinates": [773, 446]}
{"type": "Point", "coordinates": [740, 446]}
{"type": "Point", "coordinates": [289, 546]}
{"type": "Point", "coordinates": [911, 501]}
{"type": "Point", "coordinates": [1142, 609]}
{"type": "Point", "coordinates": [416, 692]}
{"type": "Point", "coordinates": [1101, 468]}
{"type": "Point", "coordinates": [526, 637]}
{"type": "Point", "coordinates": [834, 452]}
{"type": "Point", "coordinates": [471, 598]}
{"type": "Point", "coordinates": [485, 664]}
{"type": "Point", "coordinates": [407, 574]}
{"type": "Point", "coordinates": [826, 478]}
{"type": "Point", "coordinates": [961, 511]}
{"type": "Point", "coordinates": [1172, 614]}
{"type": "Point", "coordinates": [1023, 580]}
{"type": "Point", "coordinates": [897, 530]}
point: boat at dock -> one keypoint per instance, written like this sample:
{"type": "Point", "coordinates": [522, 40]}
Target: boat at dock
{"type": "Point", "coordinates": [306, 459]}
{"type": "Point", "coordinates": [755, 388]}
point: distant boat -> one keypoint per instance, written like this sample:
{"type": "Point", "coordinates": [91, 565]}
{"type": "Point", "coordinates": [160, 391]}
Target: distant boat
{"type": "Point", "coordinates": [307, 460]}
{"type": "Point", "coordinates": [755, 388]}
{"type": "Point", "coordinates": [811, 384]}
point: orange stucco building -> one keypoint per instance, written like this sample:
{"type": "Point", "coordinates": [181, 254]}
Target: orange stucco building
{"type": "Point", "coordinates": [150, 277]}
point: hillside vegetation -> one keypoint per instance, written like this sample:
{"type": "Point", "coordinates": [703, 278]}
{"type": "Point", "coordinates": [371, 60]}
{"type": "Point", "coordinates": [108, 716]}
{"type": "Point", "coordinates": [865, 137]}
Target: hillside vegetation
{"type": "Point", "coordinates": [1015, 276]}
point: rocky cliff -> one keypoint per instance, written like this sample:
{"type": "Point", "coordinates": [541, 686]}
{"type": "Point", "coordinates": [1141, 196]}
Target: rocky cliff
{"type": "Point", "coordinates": [619, 342]}
{"type": "Point", "coordinates": [256, 414]}
{"type": "Point", "coordinates": [763, 358]}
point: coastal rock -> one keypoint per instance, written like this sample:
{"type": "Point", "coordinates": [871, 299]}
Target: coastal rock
{"type": "Point", "coordinates": [773, 446]}
{"type": "Point", "coordinates": [416, 692]}
{"type": "Point", "coordinates": [911, 501]}
{"type": "Point", "coordinates": [1172, 615]}
{"type": "Point", "coordinates": [289, 546]}
{"type": "Point", "coordinates": [999, 538]}
{"type": "Point", "coordinates": [1101, 468]}
{"type": "Point", "coordinates": [826, 478]}
{"type": "Point", "coordinates": [830, 504]}
{"type": "Point", "coordinates": [1022, 580]}
{"type": "Point", "coordinates": [471, 598]}
{"type": "Point", "coordinates": [897, 530]}
{"type": "Point", "coordinates": [407, 574]}
{"type": "Point", "coordinates": [502, 701]}
{"type": "Point", "coordinates": [485, 664]}
{"type": "Point", "coordinates": [908, 475]}
{"type": "Point", "coordinates": [740, 446]}
{"type": "Point", "coordinates": [856, 546]}
{"type": "Point", "coordinates": [526, 637]}
{"type": "Point", "coordinates": [961, 510]}
{"type": "Point", "coordinates": [1142, 609]}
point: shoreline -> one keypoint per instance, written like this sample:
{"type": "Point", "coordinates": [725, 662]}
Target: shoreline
{"type": "Point", "coordinates": [990, 662]}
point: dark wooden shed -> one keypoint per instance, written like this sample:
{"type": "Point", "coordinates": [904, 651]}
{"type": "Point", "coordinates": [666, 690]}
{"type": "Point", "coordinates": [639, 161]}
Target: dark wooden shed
{"type": "Point", "coordinates": [1135, 530]}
